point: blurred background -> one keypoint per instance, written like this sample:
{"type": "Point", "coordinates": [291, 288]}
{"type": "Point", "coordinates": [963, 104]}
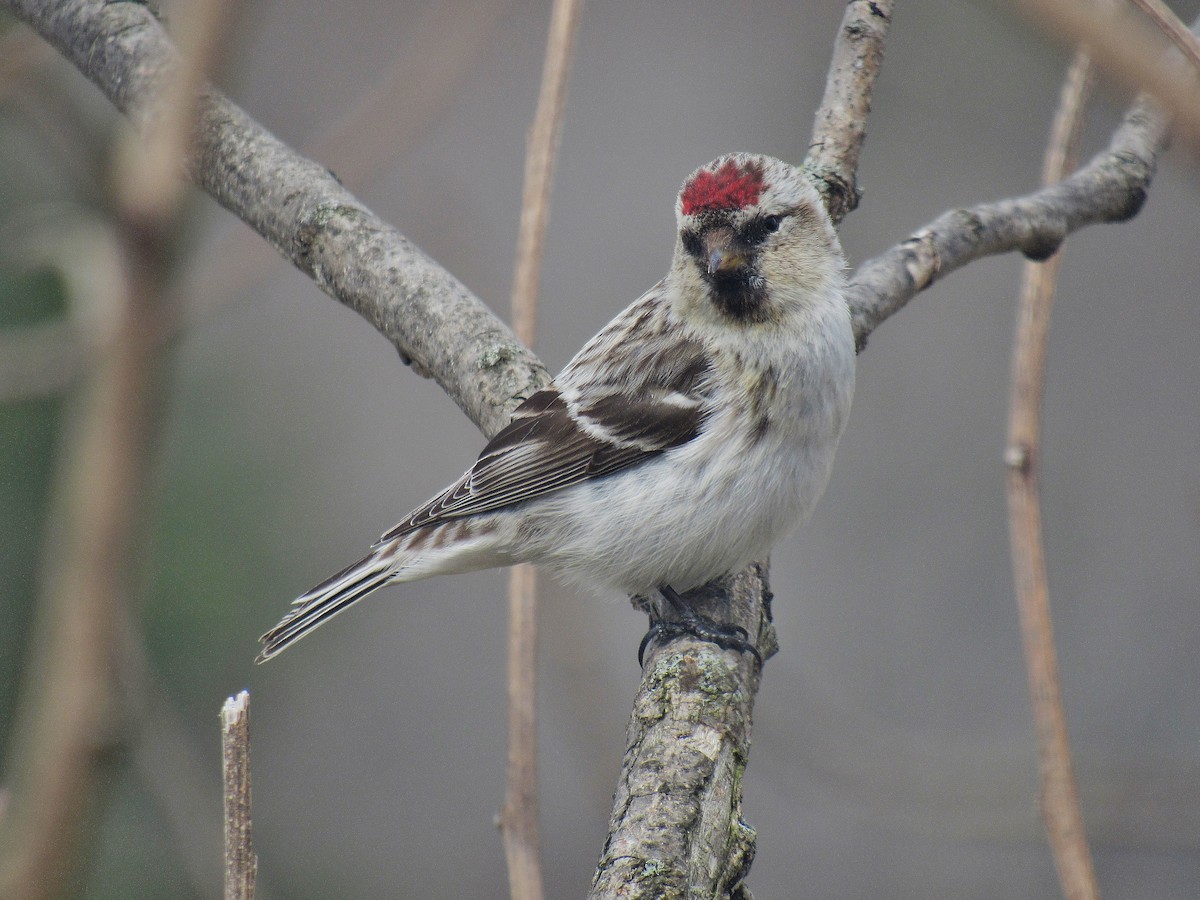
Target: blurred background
{"type": "Point", "coordinates": [894, 752]}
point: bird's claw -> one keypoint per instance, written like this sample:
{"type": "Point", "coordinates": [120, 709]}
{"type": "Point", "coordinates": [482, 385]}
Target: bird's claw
{"type": "Point", "coordinates": [725, 636]}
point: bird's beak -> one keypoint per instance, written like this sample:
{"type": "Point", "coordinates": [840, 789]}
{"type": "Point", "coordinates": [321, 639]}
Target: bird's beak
{"type": "Point", "coordinates": [721, 253]}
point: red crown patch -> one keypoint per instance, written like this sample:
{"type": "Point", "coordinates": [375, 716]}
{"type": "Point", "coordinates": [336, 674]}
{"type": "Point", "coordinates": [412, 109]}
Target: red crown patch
{"type": "Point", "coordinates": [730, 187]}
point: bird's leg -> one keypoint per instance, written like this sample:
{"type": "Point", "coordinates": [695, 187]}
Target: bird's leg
{"type": "Point", "coordinates": [691, 623]}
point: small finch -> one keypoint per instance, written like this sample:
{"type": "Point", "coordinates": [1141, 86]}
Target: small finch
{"type": "Point", "coordinates": [681, 442]}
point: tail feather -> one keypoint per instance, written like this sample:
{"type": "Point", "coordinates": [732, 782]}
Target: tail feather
{"type": "Point", "coordinates": [327, 599]}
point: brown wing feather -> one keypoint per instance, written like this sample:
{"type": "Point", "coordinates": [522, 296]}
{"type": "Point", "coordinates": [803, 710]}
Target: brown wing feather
{"type": "Point", "coordinates": [545, 449]}
{"type": "Point", "coordinates": [657, 400]}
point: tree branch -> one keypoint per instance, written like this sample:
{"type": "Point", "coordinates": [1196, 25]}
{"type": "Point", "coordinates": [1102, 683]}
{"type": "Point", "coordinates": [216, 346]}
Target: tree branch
{"type": "Point", "coordinates": [840, 125]}
{"type": "Point", "coordinates": [1060, 796]}
{"type": "Point", "coordinates": [519, 819]}
{"type": "Point", "coordinates": [71, 696]}
{"type": "Point", "coordinates": [1170, 25]}
{"type": "Point", "coordinates": [301, 210]}
{"type": "Point", "coordinates": [1127, 48]}
{"type": "Point", "coordinates": [1111, 188]}
{"type": "Point", "coordinates": [241, 865]}
{"type": "Point", "coordinates": [676, 828]}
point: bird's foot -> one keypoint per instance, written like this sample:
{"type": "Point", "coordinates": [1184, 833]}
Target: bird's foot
{"type": "Point", "coordinates": [690, 623]}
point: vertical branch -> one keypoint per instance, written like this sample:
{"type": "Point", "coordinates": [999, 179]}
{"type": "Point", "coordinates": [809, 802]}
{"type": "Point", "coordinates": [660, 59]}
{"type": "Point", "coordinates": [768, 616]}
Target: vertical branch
{"type": "Point", "coordinates": [676, 828]}
{"type": "Point", "coordinates": [840, 124]}
{"type": "Point", "coordinates": [1059, 794]}
{"type": "Point", "coordinates": [519, 819]}
{"type": "Point", "coordinates": [241, 865]}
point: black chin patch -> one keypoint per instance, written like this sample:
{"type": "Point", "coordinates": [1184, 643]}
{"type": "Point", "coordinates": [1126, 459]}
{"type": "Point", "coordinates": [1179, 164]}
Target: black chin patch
{"type": "Point", "coordinates": [740, 295]}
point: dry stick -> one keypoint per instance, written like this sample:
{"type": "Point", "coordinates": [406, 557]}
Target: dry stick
{"type": "Point", "coordinates": [1125, 47]}
{"type": "Point", "coordinates": [1170, 25]}
{"type": "Point", "coordinates": [70, 712]}
{"type": "Point", "coordinates": [519, 819]}
{"type": "Point", "coordinates": [241, 865]}
{"type": "Point", "coordinates": [840, 124]}
{"type": "Point", "coordinates": [1110, 188]}
{"type": "Point", "coordinates": [1059, 795]}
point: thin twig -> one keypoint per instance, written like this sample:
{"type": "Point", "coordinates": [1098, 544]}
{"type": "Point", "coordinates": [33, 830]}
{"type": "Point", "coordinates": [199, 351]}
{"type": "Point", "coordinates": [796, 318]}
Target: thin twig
{"type": "Point", "coordinates": [1110, 188]}
{"type": "Point", "coordinates": [241, 865]}
{"type": "Point", "coordinates": [519, 819]}
{"type": "Point", "coordinates": [150, 169]}
{"type": "Point", "coordinates": [1171, 25]}
{"type": "Point", "coordinates": [840, 125]}
{"type": "Point", "coordinates": [1059, 796]}
{"type": "Point", "coordinates": [1126, 48]}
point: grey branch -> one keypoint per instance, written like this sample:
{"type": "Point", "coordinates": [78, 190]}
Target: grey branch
{"type": "Point", "coordinates": [300, 208]}
{"type": "Point", "coordinates": [840, 125]}
{"type": "Point", "coordinates": [241, 865]}
{"type": "Point", "coordinates": [1111, 188]}
{"type": "Point", "coordinates": [676, 828]}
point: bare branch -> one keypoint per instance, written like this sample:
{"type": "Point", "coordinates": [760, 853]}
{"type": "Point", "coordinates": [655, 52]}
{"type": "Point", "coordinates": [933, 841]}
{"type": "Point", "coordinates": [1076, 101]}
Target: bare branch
{"type": "Point", "coordinates": [540, 157]}
{"type": "Point", "coordinates": [352, 254]}
{"type": "Point", "coordinates": [150, 188]}
{"type": "Point", "coordinates": [676, 828]}
{"type": "Point", "coordinates": [1125, 47]}
{"type": "Point", "coordinates": [1060, 796]}
{"type": "Point", "coordinates": [840, 125]}
{"type": "Point", "coordinates": [72, 697]}
{"type": "Point", "coordinates": [519, 820]}
{"type": "Point", "coordinates": [241, 865]}
{"type": "Point", "coordinates": [1111, 188]}
{"type": "Point", "coordinates": [1170, 25]}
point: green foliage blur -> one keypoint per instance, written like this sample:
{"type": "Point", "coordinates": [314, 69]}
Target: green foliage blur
{"type": "Point", "coordinates": [204, 534]}
{"type": "Point", "coordinates": [28, 439]}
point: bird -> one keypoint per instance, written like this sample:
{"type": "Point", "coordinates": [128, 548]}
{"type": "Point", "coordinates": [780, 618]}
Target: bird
{"type": "Point", "coordinates": [680, 443]}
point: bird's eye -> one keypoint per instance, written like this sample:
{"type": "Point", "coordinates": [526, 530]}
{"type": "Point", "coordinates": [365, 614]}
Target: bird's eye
{"type": "Point", "coordinates": [757, 229]}
{"type": "Point", "coordinates": [691, 243]}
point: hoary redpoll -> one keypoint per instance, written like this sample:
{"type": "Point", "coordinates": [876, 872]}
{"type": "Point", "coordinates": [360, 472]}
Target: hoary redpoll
{"type": "Point", "coordinates": [681, 442]}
